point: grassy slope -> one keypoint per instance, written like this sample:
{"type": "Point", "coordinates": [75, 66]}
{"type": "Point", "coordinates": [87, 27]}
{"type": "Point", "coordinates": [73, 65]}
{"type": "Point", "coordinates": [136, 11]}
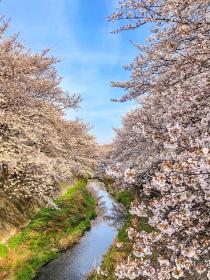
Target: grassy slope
{"type": "Point", "coordinates": [50, 231]}
{"type": "Point", "coordinates": [118, 254]}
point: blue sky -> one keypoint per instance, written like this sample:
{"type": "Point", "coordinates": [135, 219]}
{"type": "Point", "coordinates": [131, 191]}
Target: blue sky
{"type": "Point", "coordinates": [77, 31]}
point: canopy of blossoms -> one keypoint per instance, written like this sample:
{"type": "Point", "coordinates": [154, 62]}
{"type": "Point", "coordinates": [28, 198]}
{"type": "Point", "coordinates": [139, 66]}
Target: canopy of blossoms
{"type": "Point", "coordinates": [163, 147]}
{"type": "Point", "coordinates": [38, 147]}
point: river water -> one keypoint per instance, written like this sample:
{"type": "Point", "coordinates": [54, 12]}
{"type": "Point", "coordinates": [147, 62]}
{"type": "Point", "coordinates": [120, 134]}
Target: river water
{"type": "Point", "coordinates": [82, 258]}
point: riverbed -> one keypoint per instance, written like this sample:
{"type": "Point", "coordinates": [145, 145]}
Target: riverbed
{"type": "Point", "coordinates": [78, 261]}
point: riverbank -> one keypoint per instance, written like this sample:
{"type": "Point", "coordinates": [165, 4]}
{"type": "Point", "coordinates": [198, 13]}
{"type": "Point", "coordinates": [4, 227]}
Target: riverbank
{"type": "Point", "coordinates": [122, 245]}
{"type": "Point", "coordinates": [80, 260]}
{"type": "Point", "coordinates": [49, 232]}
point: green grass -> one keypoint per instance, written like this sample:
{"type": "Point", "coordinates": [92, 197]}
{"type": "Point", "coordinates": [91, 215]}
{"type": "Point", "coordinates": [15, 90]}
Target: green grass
{"type": "Point", "coordinates": [3, 250]}
{"type": "Point", "coordinates": [118, 254]}
{"type": "Point", "coordinates": [124, 197]}
{"type": "Point", "coordinates": [49, 232]}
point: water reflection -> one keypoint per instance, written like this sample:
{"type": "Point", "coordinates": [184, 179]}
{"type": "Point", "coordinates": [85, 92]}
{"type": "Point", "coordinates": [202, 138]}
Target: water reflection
{"type": "Point", "coordinates": [79, 260]}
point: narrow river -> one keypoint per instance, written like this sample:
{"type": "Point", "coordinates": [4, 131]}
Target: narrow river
{"type": "Point", "coordinates": [82, 258]}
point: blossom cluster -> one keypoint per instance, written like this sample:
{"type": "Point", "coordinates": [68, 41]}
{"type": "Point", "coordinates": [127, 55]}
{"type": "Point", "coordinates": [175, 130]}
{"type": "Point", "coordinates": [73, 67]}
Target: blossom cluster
{"type": "Point", "coordinates": [38, 146]}
{"type": "Point", "coordinates": [165, 140]}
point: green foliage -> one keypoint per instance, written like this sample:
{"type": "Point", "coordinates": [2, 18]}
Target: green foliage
{"type": "Point", "coordinates": [26, 273]}
{"type": "Point", "coordinates": [30, 267]}
{"type": "Point", "coordinates": [3, 250]}
{"type": "Point", "coordinates": [18, 239]}
{"type": "Point", "coordinates": [51, 230]}
{"type": "Point", "coordinates": [125, 197]}
{"type": "Point", "coordinates": [122, 234]}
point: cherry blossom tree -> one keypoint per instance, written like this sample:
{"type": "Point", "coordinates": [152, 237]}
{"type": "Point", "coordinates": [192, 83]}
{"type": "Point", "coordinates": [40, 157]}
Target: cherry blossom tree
{"type": "Point", "coordinates": [163, 147]}
{"type": "Point", "coordinates": [38, 146]}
